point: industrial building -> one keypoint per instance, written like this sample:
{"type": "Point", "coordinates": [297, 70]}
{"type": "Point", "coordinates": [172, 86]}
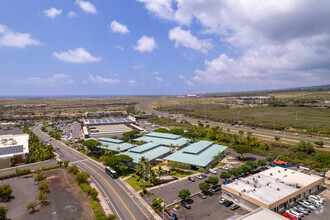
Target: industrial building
{"type": "Point", "coordinates": [151, 151]}
{"type": "Point", "coordinates": [260, 100]}
{"type": "Point", "coordinates": [275, 189]}
{"type": "Point", "coordinates": [199, 154]}
{"type": "Point", "coordinates": [108, 127]}
{"type": "Point", "coordinates": [164, 139]}
{"type": "Point", "coordinates": [13, 146]}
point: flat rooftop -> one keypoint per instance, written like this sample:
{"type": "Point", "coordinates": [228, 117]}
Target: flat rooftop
{"type": "Point", "coordinates": [11, 145]}
{"type": "Point", "coordinates": [269, 188]}
{"type": "Point", "coordinates": [149, 150]}
{"type": "Point", "coordinates": [262, 213]}
{"type": "Point", "coordinates": [200, 153]}
{"type": "Point", "coordinates": [107, 121]}
{"type": "Point", "coordinates": [163, 138]}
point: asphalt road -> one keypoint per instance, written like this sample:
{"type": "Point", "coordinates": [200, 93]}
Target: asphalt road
{"type": "Point", "coordinates": [121, 201]}
{"type": "Point", "coordinates": [269, 133]}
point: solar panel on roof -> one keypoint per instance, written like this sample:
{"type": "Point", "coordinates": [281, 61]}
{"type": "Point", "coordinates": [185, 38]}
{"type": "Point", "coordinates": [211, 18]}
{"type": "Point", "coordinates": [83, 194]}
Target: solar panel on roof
{"type": "Point", "coordinates": [11, 150]}
{"type": "Point", "coordinates": [98, 121]}
{"type": "Point", "coordinates": [111, 120]}
{"type": "Point", "coordinates": [119, 120]}
{"type": "Point", "coordinates": [91, 121]}
{"type": "Point", "coordinates": [104, 120]}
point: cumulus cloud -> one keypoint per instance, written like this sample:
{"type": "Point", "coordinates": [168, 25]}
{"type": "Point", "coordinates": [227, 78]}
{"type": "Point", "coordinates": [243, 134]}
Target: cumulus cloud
{"type": "Point", "coordinates": [72, 14]}
{"type": "Point", "coordinates": [79, 55]}
{"type": "Point", "coordinates": [138, 66]}
{"type": "Point", "coordinates": [188, 82]}
{"type": "Point", "coordinates": [155, 73]}
{"type": "Point", "coordinates": [86, 6]}
{"type": "Point", "coordinates": [52, 12]}
{"type": "Point", "coordinates": [10, 38]}
{"type": "Point", "coordinates": [159, 79]}
{"type": "Point", "coordinates": [145, 44]}
{"type": "Point", "coordinates": [278, 42]}
{"type": "Point", "coordinates": [160, 8]}
{"type": "Point", "coordinates": [116, 27]}
{"type": "Point", "coordinates": [186, 39]}
{"type": "Point", "coordinates": [102, 80]}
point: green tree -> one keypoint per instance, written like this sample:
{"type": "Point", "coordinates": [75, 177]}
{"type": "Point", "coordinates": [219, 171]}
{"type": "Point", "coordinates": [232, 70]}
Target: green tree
{"type": "Point", "coordinates": [176, 131]}
{"type": "Point", "coordinates": [269, 159]}
{"type": "Point", "coordinates": [277, 138]}
{"type": "Point", "coordinates": [213, 180]}
{"type": "Point", "coordinates": [201, 170]}
{"type": "Point", "coordinates": [91, 144]}
{"type": "Point", "coordinates": [246, 168]}
{"type": "Point", "coordinates": [160, 171]}
{"type": "Point", "coordinates": [225, 175]}
{"type": "Point", "coordinates": [5, 191]}
{"type": "Point", "coordinates": [241, 132]}
{"type": "Point", "coordinates": [319, 143]}
{"type": "Point", "coordinates": [161, 130]}
{"type": "Point", "coordinates": [110, 217]}
{"type": "Point", "coordinates": [242, 149]}
{"type": "Point", "coordinates": [39, 177]}
{"type": "Point", "coordinates": [128, 136]}
{"type": "Point", "coordinates": [262, 162]}
{"type": "Point", "coordinates": [42, 197]}
{"type": "Point", "coordinates": [66, 163]}
{"type": "Point", "coordinates": [252, 164]}
{"type": "Point", "coordinates": [184, 194]}
{"type": "Point", "coordinates": [115, 161]}
{"type": "Point", "coordinates": [93, 193]}
{"type": "Point", "coordinates": [43, 186]}
{"type": "Point", "coordinates": [59, 163]}
{"type": "Point", "coordinates": [82, 177]}
{"type": "Point", "coordinates": [304, 147]}
{"type": "Point", "coordinates": [3, 213]}
{"type": "Point", "coordinates": [31, 206]}
{"type": "Point", "coordinates": [204, 187]}
{"type": "Point", "coordinates": [73, 169]}
{"type": "Point", "coordinates": [157, 204]}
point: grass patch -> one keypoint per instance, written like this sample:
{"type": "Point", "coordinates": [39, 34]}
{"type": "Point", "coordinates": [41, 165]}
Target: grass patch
{"type": "Point", "coordinates": [126, 173]}
{"type": "Point", "coordinates": [182, 174]}
{"type": "Point", "coordinates": [134, 183]}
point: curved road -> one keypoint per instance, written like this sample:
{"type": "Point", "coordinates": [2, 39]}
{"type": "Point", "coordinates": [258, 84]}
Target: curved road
{"type": "Point", "coordinates": [258, 132]}
{"type": "Point", "coordinates": [122, 202]}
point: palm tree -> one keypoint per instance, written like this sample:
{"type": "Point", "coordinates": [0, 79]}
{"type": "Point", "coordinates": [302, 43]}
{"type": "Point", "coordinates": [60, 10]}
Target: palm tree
{"type": "Point", "coordinates": [160, 171]}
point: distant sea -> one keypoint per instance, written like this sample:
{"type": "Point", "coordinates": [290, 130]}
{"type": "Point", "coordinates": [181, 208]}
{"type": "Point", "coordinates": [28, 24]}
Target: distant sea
{"type": "Point", "coordinates": [68, 96]}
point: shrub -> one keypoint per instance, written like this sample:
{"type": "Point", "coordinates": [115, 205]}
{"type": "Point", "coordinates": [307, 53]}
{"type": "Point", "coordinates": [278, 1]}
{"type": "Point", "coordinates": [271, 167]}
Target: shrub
{"type": "Point", "coordinates": [3, 212]}
{"type": "Point", "coordinates": [93, 193]}
{"type": "Point", "coordinates": [31, 206]}
{"type": "Point", "coordinates": [23, 172]}
{"type": "Point", "coordinates": [66, 163]}
{"type": "Point", "coordinates": [73, 169]}
{"type": "Point", "coordinates": [5, 191]}
{"type": "Point", "coordinates": [50, 167]}
{"type": "Point", "coordinates": [42, 197]}
{"type": "Point", "coordinates": [43, 186]}
{"type": "Point", "coordinates": [82, 177]}
{"type": "Point", "coordinates": [183, 194]}
{"type": "Point", "coordinates": [39, 177]}
{"type": "Point", "coordinates": [156, 204]}
{"type": "Point", "coordinates": [85, 188]}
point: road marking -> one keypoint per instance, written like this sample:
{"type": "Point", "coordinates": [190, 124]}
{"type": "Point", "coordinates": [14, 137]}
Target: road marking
{"type": "Point", "coordinates": [111, 188]}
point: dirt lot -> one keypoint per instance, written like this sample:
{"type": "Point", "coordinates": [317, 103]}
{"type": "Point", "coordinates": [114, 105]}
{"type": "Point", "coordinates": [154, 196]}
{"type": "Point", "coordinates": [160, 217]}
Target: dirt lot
{"type": "Point", "coordinates": [66, 200]}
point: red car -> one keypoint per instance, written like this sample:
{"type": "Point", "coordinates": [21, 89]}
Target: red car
{"type": "Point", "coordinates": [246, 175]}
{"type": "Point", "coordinates": [289, 216]}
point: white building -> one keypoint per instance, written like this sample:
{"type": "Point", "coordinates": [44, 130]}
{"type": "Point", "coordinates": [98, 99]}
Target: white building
{"type": "Point", "coordinates": [13, 146]}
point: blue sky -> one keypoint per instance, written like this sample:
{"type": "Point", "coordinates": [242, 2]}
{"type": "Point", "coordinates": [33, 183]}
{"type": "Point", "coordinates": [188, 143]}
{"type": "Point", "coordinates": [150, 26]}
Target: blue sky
{"type": "Point", "coordinates": [126, 47]}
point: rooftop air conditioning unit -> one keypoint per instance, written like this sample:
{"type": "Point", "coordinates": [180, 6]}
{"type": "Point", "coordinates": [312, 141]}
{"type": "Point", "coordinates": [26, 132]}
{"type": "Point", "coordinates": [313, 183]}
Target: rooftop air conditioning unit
{"type": "Point", "coordinates": [284, 169]}
{"type": "Point", "coordinates": [248, 182]}
{"type": "Point", "coordinates": [279, 171]}
{"type": "Point", "coordinates": [285, 175]}
{"type": "Point", "coordinates": [278, 189]}
{"type": "Point", "coordinates": [271, 174]}
{"type": "Point", "coordinates": [244, 190]}
{"type": "Point", "coordinates": [259, 176]}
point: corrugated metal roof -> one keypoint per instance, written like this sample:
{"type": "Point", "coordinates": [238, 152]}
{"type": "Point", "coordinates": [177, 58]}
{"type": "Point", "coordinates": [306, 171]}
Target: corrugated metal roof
{"type": "Point", "coordinates": [150, 151]}
{"type": "Point", "coordinates": [164, 139]}
{"type": "Point", "coordinates": [199, 154]}
{"type": "Point", "coordinates": [111, 140]}
{"type": "Point", "coordinates": [163, 135]}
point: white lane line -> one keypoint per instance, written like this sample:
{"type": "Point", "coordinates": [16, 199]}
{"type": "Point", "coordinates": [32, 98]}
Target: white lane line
{"type": "Point", "coordinates": [105, 194]}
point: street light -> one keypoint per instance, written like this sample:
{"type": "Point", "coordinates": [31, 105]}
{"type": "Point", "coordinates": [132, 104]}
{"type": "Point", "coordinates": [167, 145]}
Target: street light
{"type": "Point", "coordinates": [284, 131]}
{"type": "Point", "coordinates": [317, 137]}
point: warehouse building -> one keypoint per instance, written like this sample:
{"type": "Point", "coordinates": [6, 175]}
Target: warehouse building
{"type": "Point", "coordinates": [164, 139]}
{"type": "Point", "coordinates": [152, 151]}
{"type": "Point", "coordinates": [13, 146]}
{"type": "Point", "coordinates": [199, 154]}
{"type": "Point", "coordinates": [275, 189]}
{"type": "Point", "coordinates": [108, 127]}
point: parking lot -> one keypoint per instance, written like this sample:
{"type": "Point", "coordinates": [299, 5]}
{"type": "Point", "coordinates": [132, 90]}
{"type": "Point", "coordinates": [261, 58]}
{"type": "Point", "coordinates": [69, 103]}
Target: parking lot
{"type": "Point", "coordinates": [321, 213]}
{"type": "Point", "coordinates": [208, 208]}
{"type": "Point", "coordinates": [24, 192]}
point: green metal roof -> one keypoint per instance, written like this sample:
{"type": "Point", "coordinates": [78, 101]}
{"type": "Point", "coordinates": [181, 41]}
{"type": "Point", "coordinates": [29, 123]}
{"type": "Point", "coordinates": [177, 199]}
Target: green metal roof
{"type": "Point", "coordinates": [149, 150]}
{"type": "Point", "coordinates": [199, 154]}
{"type": "Point", "coordinates": [112, 144]}
{"type": "Point", "coordinates": [111, 140]}
{"type": "Point", "coordinates": [163, 139]}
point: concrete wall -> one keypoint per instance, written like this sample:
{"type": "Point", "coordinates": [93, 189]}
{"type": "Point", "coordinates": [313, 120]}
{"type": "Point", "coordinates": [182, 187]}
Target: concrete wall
{"type": "Point", "coordinates": [4, 163]}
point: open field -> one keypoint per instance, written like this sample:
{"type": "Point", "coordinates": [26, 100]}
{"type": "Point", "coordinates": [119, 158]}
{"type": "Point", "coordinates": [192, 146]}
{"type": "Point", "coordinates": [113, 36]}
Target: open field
{"type": "Point", "coordinates": [301, 119]}
{"type": "Point", "coordinates": [39, 106]}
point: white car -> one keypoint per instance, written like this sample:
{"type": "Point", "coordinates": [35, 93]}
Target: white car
{"type": "Point", "coordinates": [199, 176]}
{"type": "Point", "coordinates": [213, 171]}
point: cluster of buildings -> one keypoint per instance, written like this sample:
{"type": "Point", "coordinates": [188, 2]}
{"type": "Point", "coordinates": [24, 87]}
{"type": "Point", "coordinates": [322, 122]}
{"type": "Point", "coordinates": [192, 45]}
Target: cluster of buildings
{"type": "Point", "coordinates": [253, 100]}
{"type": "Point", "coordinates": [13, 146]}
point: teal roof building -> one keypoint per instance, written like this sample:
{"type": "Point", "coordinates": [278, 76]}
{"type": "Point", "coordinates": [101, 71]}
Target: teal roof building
{"type": "Point", "coordinates": [151, 151]}
{"type": "Point", "coordinates": [163, 139]}
{"type": "Point", "coordinates": [113, 144]}
{"type": "Point", "coordinates": [197, 154]}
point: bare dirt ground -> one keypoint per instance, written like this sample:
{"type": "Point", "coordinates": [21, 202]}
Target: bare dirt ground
{"type": "Point", "coordinates": [66, 199]}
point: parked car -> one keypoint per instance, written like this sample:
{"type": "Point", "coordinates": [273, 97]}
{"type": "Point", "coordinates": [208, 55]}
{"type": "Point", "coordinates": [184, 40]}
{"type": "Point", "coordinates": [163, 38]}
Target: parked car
{"type": "Point", "coordinates": [191, 179]}
{"type": "Point", "coordinates": [228, 203]}
{"type": "Point", "coordinates": [185, 204]}
{"type": "Point", "coordinates": [222, 201]}
{"type": "Point", "coordinates": [234, 207]}
{"type": "Point", "coordinates": [246, 175]}
{"type": "Point", "coordinates": [298, 209]}
{"type": "Point", "coordinates": [290, 216]}
{"type": "Point", "coordinates": [253, 128]}
{"type": "Point", "coordinates": [213, 171]}
{"type": "Point", "coordinates": [202, 195]}
{"type": "Point", "coordinates": [322, 174]}
{"type": "Point", "coordinates": [216, 188]}
{"type": "Point", "coordinates": [176, 208]}
{"type": "Point", "coordinates": [207, 181]}
{"type": "Point", "coordinates": [199, 176]}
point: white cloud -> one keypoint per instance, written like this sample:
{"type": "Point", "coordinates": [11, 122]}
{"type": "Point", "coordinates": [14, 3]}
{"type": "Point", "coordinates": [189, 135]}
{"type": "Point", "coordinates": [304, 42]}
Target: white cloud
{"type": "Point", "coordinates": [275, 42]}
{"type": "Point", "coordinates": [102, 80]}
{"type": "Point", "coordinates": [145, 44]}
{"type": "Point", "coordinates": [9, 38]}
{"type": "Point", "coordinates": [86, 6]}
{"type": "Point", "coordinates": [57, 79]}
{"type": "Point", "coordinates": [132, 82]}
{"type": "Point", "coordinates": [160, 8]}
{"type": "Point", "coordinates": [72, 14]}
{"type": "Point", "coordinates": [181, 77]}
{"type": "Point", "coordinates": [186, 39]}
{"type": "Point", "coordinates": [118, 47]}
{"type": "Point", "coordinates": [188, 82]}
{"type": "Point", "coordinates": [138, 66]}
{"type": "Point", "coordinates": [79, 55]}
{"type": "Point", "coordinates": [52, 12]}
{"type": "Point", "coordinates": [156, 73]}
{"type": "Point", "coordinates": [116, 27]}
{"type": "Point", "coordinates": [159, 79]}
